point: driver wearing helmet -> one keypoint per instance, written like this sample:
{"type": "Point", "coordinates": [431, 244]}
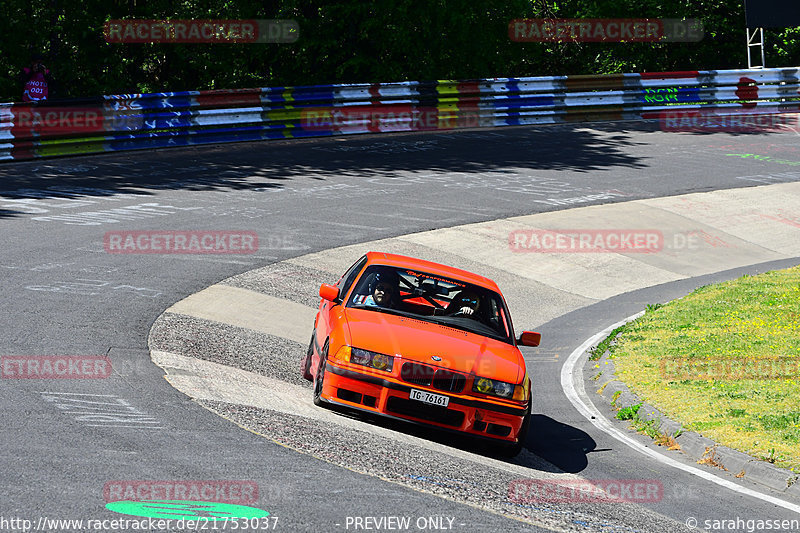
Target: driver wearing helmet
{"type": "Point", "coordinates": [466, 303]}
{"type": "Point", "coordinates": [382, 288]}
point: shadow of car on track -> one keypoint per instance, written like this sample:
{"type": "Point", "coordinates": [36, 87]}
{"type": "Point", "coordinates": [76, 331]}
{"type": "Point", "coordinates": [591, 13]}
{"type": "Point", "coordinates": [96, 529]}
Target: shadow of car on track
{"type": "Point", "coordinates": [564, 446]}
{"type": "Point", "coordinates": [551, 446]}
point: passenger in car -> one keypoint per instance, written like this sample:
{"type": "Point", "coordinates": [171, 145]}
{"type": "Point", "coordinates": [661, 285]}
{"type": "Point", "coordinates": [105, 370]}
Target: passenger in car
{"type": "Point", "coordinates": [465, 303]}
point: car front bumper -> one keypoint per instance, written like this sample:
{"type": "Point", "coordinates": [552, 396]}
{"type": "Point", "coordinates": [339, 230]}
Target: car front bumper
{"type": "Point", "coordinates": [388, 397]}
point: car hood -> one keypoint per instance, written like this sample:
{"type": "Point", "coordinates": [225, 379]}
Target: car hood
{"type": "Point", "coordinates": [418, 340]}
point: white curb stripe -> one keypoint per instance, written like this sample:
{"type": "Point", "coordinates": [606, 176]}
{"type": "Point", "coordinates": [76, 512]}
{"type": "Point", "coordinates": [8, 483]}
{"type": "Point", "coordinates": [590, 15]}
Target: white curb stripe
{"type": "Point", "coordinates": [572, 383]}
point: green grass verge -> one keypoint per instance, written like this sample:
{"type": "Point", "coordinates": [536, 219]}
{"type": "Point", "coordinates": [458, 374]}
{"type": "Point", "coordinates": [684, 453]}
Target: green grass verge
{"type": "Point", "coordinates": [724, 361]}
{"type": "Point", "coordinates": [598, 351]}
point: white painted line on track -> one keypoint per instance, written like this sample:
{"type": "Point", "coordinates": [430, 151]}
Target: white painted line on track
{"type": "Point", "coordinates": [572, 383]}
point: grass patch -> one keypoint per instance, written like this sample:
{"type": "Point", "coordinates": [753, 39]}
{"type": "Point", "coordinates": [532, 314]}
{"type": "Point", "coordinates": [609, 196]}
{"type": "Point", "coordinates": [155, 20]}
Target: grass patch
{"type": "Point", "coordinates": [614, 398]}
{"type": "Point", "coordinates": [628, 413]}
{"type": "Point", "coordinates": [724, 361]}
{"type": "Point", "coordinates": [606, 344]}
{"type": "Point", "coordinates": [648, 427]}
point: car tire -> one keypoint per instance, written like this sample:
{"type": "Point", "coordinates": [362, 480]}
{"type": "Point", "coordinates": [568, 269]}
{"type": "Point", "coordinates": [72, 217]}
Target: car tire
{"type": "Point", "coordinates": [320, 378]}
{"type": "Point", "coordinates": [510, 450]}
{"type": "Point", "coordinates": [305, 365]}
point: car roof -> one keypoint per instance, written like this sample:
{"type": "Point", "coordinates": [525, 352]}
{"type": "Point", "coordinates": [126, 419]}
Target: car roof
{"type": "Point", "coordinates": [430, 267]}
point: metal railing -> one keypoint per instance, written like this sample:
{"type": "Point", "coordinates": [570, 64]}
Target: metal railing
{"type": "Point", "coordinates": [161, 120]}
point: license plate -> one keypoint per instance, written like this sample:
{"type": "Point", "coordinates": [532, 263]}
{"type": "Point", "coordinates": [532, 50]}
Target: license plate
{"type": "Point", "coordinates": [428, 397]}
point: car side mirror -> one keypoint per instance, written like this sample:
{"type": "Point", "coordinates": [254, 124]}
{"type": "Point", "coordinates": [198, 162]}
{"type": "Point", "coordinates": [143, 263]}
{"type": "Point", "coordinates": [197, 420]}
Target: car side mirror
{"type": "Point", "coordinates": [328, 292]}
{"type": "Point", "coordinates": [529, 338]}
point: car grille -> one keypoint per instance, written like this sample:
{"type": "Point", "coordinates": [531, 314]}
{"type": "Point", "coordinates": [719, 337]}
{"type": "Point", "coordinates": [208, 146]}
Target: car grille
{"type": "Point", "coordinates": [438, 378]}
{"type": "Point", "coordinates": [417, 374]}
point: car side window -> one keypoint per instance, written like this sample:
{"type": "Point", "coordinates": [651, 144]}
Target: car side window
{"type": "Point", "coordinates": [350, 276]}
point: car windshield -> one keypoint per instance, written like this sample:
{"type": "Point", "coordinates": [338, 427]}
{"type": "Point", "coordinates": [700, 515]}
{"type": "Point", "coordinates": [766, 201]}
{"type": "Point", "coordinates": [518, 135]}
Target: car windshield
{"type": "Point", "coordinates": [433, 298]}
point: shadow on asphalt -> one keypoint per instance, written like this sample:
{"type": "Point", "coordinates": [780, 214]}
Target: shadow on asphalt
{"type": "Point", "coordinates": [274, 164]}
{"type": "Point", "coordinates": [558, 447]}
{"type": "Point", "coordinates": [579, 147]}
{"type": "Point", "coordinates": [562, 445]}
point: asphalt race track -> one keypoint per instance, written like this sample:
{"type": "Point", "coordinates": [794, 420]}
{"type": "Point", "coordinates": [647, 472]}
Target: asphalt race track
{"type": "Point", "coordinates": [64, 294]}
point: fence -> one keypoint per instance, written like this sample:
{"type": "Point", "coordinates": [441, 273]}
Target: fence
{"type": "Point", "coordinates": [159, 120]}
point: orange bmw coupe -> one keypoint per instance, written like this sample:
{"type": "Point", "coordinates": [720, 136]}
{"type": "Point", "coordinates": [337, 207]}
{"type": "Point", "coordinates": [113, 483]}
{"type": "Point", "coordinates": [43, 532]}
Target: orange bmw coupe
{"type": "Point", "coordinates": [422, 342]}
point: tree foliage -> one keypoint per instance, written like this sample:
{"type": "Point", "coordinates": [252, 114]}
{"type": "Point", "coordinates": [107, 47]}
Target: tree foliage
{"type": "Point", "coordinates": [355, 41]}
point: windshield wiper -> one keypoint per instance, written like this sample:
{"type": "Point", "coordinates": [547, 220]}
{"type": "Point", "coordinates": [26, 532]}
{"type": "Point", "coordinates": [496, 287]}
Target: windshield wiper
{"type": "Point", "coordinates": [388, 310]}
{"type": "Point", "coordinates": [480, 329]}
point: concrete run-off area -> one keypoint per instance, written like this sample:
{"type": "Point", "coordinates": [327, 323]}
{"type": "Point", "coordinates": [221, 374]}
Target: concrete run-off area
{"type": "Point", "coordinates": [269, 313]}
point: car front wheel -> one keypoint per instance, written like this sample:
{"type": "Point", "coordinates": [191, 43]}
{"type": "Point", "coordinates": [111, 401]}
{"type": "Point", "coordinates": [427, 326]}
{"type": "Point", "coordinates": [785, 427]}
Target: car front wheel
{"type": "Point", "coordinates": [319, 380]}
{"type": "Point", "coordinates": [305, 365]}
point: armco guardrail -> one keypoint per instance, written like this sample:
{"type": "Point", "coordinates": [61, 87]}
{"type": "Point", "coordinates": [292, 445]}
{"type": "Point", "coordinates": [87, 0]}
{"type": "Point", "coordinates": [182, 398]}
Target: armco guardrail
{"type": "Point", "coordinates": [158, 120]}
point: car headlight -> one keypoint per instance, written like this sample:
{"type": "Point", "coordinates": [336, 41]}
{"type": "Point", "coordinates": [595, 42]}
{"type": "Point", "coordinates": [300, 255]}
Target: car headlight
{"type": "Point", "coordinates": [493, 387]}
{"type": "Point", "coordinates": [374, 360]}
